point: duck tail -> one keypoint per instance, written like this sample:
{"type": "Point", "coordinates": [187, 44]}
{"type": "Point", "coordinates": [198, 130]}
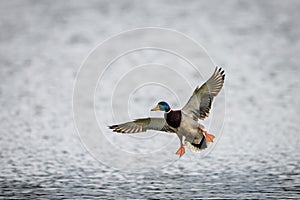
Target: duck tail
{"type": "Point", "coordinates": [196, 147]}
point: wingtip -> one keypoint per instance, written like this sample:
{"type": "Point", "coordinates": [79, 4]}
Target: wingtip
{"type": "Point", "coordinates": [114, 128]}
{"type": "Point", "coordinates": [221, 71]}
{"type": "Point", "coordinates": [111, 126]}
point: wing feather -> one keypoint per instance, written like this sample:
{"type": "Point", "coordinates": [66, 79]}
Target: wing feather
{"type": "Point", "coordinates": [142, 125]}
{"type": "Point", "coordinates": [200, 102]}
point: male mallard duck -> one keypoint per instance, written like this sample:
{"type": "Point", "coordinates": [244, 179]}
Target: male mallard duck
{"type": "Point", "coordinates": [183, 122]}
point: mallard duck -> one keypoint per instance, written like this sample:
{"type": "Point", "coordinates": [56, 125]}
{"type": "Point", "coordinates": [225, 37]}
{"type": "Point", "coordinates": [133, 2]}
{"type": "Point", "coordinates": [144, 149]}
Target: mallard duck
{"type": "Point", "coordinates": [183, 122]}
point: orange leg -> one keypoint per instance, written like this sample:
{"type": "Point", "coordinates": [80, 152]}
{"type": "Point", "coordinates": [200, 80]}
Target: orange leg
{"type": "Point", "coordinates": [181, 149]}
{"type": "Point", "coordinates": [209, 137]}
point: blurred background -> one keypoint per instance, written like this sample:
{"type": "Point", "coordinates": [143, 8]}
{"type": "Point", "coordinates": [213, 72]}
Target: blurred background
{"type": "Point", "coordinates": [43, 43]}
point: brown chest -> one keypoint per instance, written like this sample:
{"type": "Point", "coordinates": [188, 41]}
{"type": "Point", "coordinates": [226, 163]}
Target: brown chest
{"type": "Point", "coordinates": [173, 118]}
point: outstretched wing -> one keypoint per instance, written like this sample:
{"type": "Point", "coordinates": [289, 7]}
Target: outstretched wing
{"type": "Point", "coordinates": [142, 125]}
{"type": "Point", "coordinates": [200, 102]}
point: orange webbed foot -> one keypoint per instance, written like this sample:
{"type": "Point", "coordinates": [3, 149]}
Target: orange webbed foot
{"type": "Point", "coordinates": [209, 137]}
{"type": "Point", "coordinates": [180, 151]}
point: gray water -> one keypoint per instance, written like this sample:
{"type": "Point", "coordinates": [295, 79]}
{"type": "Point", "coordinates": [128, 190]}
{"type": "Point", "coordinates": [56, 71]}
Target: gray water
{"type": "Point", "coordinates": [43, 43]}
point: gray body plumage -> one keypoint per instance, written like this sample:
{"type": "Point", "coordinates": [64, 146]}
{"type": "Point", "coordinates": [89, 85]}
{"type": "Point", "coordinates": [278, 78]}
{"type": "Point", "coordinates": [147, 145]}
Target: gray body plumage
{"type": "Point", "coordinates": [190, 129]}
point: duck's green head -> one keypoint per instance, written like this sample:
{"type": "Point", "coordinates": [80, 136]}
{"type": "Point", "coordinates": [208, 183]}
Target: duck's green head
{"type": "Point", "coordinates": [163, 106]}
